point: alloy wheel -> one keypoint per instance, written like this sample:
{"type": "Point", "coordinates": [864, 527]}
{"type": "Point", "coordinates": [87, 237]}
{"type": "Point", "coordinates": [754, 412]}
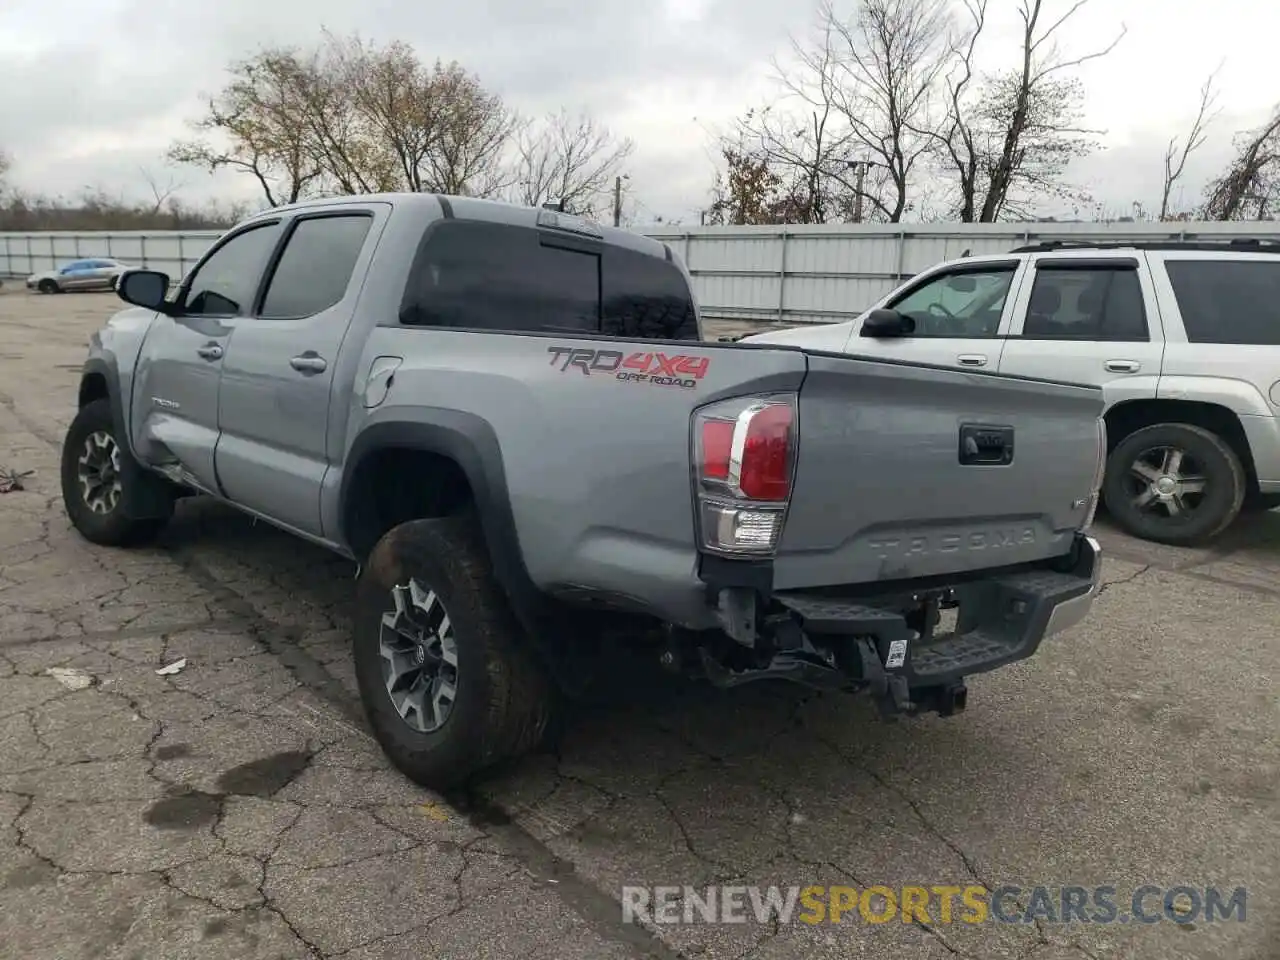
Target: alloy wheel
{"type": "Point", "coordinates": [99, 472]}
{"type": "Point", "coordinates": [419, 657]}
{"type": "Point", "coordinates": [1166, 482]}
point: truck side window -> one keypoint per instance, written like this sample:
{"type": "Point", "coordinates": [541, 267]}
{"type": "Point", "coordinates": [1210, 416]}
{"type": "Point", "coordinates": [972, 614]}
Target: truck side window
{"type": "Point", "coordinates": [1228, 301]}
{"type": "Point", "coordinates": [646, 296]}
{"type": "Point", "coordinates": [316, 266]}
{"type": "Point", "coordinates": [491, 276]}
{"type": "Point", "coordinates": [967, 304]}
{"type": "Point", "coordinates": [225, 283]}
{"type": "Point", "coordinates": [1086, 304]}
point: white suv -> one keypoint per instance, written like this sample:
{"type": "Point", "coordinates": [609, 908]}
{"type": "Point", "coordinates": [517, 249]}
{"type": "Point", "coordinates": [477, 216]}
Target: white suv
{"type": "Point", "coordinates": [1183, 337]}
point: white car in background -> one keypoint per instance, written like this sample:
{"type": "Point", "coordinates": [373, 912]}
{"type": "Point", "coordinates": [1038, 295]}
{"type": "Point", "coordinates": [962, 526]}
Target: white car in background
{"type": "Point", "coordinates": [97, 273]}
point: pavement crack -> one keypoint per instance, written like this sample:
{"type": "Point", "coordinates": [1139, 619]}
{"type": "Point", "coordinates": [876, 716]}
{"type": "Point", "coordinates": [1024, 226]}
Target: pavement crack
{"type": "Point", "coordinates": [1119, 581]}
{"type": "Point", "coordinates": [128, 633]}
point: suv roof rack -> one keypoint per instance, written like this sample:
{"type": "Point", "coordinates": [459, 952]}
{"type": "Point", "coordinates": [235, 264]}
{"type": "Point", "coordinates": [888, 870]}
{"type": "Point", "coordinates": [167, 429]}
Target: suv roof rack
{"type": "Point", "coordinates": [1258, 244]}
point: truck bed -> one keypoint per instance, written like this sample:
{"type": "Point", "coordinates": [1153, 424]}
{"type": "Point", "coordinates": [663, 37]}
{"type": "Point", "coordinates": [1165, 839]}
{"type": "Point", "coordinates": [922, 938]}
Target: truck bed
{"type": "Point", "coordinates": [594, 439]}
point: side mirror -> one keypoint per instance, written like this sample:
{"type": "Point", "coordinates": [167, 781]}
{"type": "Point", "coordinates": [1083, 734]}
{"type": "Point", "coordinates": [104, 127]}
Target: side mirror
{"type": "Point", "coordinates": [887, 323]}
{"type": "Point", "coordinates": [144, 288]}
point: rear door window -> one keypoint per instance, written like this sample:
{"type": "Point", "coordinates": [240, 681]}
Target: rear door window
{"type": "Point", "coordinates": [1082, 303]}
{"type": "Point", "coordinates": [488, 276]}
{"type": "Point", "coordinates": [1228, 301]}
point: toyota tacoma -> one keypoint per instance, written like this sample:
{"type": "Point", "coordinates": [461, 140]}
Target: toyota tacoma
{"type": "Point", "coordinates": [508, 417]}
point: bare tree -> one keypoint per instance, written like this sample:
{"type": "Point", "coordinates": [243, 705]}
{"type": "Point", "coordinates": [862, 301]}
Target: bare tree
{"type": "Point", "coordinates": [1175, 155]}
{"type": "Point", "coordinates": [259, 118]}
{"type": "Point", "coordinates": [351, 117]}
{"type": "Point", "coordinates": [956, 135]}
{"type": "Point", "coordinates": [475, 131]}
{"type": "Point", "coordinates": [848, 132]}
{"type": "Point", "coordinates": [393, 111]}
{"type": "Point", "coordinates": [1009, 138]}
{"type": "Point", "coordinates": [1253, 176]}
{"type": "Point", "coordinates": [159, 194]}
{"type": "Point", "coordinates": [887, 62]}
{"type": "Point", "coordinates": [570, 158]}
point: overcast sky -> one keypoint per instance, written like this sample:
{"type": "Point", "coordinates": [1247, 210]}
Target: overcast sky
{"type": "Point", "coordinates": [93, 90]}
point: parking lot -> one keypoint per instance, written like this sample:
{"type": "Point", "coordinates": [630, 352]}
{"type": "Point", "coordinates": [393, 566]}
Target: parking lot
{"type": "Point", "coordinates": [237, 808]}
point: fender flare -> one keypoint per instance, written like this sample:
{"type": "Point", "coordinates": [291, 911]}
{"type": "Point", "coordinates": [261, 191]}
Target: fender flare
{"type": "Point", "coordinates": [145, 494]}
{"type": "Point", "coordinates": [471, 443]}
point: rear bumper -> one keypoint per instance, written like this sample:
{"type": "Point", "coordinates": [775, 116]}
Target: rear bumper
{"type": "Point", "coordinates": [1001, 620]}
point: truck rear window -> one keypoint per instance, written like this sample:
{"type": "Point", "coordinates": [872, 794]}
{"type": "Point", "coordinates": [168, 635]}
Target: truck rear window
{"type": "Point", "coordinates": [486, 276]}
{"type": "Point", "coordinates": [1228, 301]}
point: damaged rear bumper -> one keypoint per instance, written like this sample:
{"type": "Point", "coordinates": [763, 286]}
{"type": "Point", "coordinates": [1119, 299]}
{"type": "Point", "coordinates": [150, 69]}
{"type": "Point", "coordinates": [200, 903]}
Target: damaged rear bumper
{"type": "Point", "coordinates": [887, 641]}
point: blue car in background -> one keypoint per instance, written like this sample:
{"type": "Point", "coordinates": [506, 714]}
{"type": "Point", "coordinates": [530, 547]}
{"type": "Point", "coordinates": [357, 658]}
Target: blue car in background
{"type": "Point", "coordinates": [97, 273]}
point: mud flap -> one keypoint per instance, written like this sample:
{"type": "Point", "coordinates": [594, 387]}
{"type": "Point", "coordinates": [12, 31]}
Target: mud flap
{"type": "Point", "coordinates": [889, 690]}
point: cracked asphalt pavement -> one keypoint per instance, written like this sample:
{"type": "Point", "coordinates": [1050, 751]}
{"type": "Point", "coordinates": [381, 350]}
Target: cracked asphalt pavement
{"type": "Point", "coordinates": [238, 808]}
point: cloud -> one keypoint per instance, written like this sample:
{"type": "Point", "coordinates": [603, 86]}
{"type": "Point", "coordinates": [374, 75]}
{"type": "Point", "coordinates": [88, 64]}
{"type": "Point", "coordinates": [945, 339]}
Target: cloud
{"type": "Point", "coordinates": [96, 89]}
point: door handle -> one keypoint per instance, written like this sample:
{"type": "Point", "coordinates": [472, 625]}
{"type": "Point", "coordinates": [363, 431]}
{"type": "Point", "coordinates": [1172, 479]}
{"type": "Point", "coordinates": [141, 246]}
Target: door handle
{"type": "Point", "coordinates": [210, 351]}
{"type": "Point", "coordinates": [972, 360]}
{"type": "Point", "coordinates": [309, 362]}
{"type": "Point", "coordinates": [1123, 366]}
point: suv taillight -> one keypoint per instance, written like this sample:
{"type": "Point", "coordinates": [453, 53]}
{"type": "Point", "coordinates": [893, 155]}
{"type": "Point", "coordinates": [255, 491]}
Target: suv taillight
{"type": "Point", "coordinates": [744, 452]}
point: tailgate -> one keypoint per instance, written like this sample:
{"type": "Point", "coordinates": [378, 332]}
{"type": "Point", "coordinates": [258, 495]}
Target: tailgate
{"type": "Point", "coordinates": [881, 492]}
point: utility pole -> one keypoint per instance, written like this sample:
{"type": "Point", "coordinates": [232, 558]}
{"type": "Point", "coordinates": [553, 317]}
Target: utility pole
{"type": "Point", "coordinates": [861, 166]}
{"type": "Point", "coordinates": [617, 201]}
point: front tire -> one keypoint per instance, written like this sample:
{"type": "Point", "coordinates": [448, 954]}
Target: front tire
{"type": "Point", "coordinates": [1174, 483]}
{"type": "Point", "coordinates": [446, 677]}
{"type": "Point", "coordinates": [96, 466]}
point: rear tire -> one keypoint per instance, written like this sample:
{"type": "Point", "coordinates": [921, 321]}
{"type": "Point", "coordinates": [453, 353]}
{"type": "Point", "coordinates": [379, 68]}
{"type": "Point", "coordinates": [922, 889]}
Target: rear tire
{"type": "Point", "coordinates": [96, 466]}
{"type": "Point", "coordinates": [1135, 471]}
{"type": "Point", "coordinates": [500, 703]}
{"type": "Point", "coordinates": [48, 286]}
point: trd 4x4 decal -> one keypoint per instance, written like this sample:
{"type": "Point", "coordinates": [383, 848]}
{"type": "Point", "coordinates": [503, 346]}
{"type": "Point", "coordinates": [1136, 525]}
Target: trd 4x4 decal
{"type": "Point", "coordinates": [658, 368]}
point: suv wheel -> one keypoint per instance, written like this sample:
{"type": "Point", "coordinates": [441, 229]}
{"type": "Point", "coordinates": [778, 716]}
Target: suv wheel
{"type": "Point", "coordinates": [95, 469]}
{"type": "Point", "coordinates": [446, 678]}
{"type": "Point", "coordinates": [1174, 483]}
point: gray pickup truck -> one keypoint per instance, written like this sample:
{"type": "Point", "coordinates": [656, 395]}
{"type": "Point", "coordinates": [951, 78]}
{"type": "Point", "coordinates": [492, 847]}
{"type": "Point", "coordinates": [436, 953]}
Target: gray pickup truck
{"type": "Point", "coordinates": [508, 417]}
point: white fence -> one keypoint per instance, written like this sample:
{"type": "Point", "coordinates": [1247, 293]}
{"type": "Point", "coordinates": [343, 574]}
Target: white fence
{"type": "Point", "coordinates": [792, 274]}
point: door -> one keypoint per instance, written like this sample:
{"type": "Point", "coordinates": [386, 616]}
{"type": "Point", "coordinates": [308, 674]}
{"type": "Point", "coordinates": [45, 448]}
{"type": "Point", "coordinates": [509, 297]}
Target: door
{"type": "Point", "coordinates": [960, 314]}
{"type": "Point", "coordinates": [100, 274]}
{"type": "Point", "coordinates": [274, 407]}
{"type": "Point", "coordinates": [1086, 320]}
{"type": "Point", "coordinates": [76, 275]}
{"type": "Point", "coordinates": [175, 394]}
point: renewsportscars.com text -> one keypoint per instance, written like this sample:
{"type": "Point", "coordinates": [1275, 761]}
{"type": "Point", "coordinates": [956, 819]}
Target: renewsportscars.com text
{"type": "Point", "coordinates": [935, 904]}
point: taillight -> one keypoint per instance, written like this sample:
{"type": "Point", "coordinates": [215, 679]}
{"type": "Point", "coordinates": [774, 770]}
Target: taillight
{"type": "Point", "coordinates": [717, 445]}
{"type": "Point", "coordinates": [745, 457]}
{"type": "Point", "coordinates": [765, 473]}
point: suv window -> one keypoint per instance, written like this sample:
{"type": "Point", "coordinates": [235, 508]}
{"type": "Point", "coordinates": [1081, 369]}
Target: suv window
{"type": "Point", "coordinates": [967, 303]}
{"type": "Point", "coordinates": [225, 283]}
{"type": "Point", "coordinates": [1086, 303]}
{"type": "Point", "coordinates": [491, 276]}
{"type": "Point", "coordinates": [316, 266]}
{"type": "Point", "coordinates": [646, 296]}
{"type": "Point", "coordinates": [1228, 301]}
